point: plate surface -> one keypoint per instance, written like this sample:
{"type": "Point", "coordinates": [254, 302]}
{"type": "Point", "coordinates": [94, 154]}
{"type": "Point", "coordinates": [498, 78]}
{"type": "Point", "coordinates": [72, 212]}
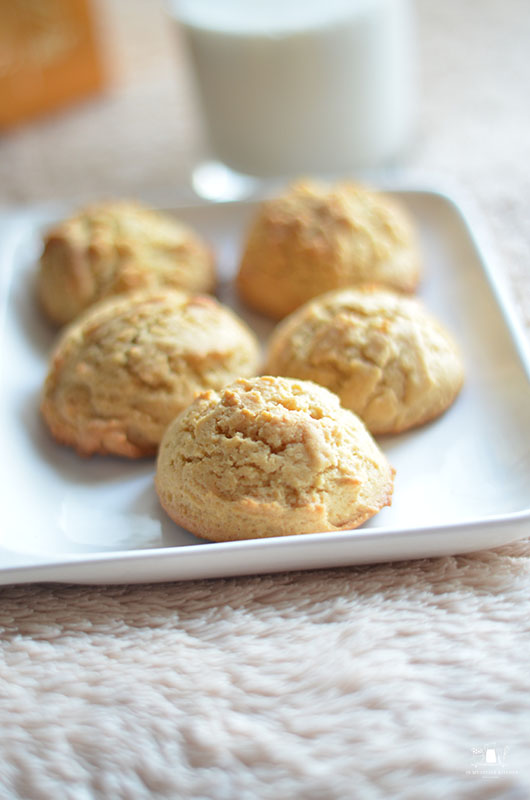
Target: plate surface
{"type": "Point", "coordinates": [462, 481]}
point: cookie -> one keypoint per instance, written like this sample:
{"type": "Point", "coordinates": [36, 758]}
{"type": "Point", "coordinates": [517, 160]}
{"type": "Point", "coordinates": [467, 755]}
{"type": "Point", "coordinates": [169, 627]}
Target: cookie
{"type": "Point", "coordinates": [129, 365]}
{"type": "Point", "coordinates": [386, 357]}
{"type": "Point", "coordinates": [317, 237]}
{"type": "Point", "coordinates": [117, 247]}
{"type": "Point", "coordinates": [270, 457]}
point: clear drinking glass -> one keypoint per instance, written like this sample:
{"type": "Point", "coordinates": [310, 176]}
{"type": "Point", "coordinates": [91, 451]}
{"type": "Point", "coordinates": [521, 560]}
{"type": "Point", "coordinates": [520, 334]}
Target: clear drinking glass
{"type": "Point", "coordinates": [292, 87]}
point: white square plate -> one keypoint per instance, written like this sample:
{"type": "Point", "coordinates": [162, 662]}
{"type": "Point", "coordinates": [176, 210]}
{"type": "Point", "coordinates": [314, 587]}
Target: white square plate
{"type": "Point", "coordinates": [462, 481]}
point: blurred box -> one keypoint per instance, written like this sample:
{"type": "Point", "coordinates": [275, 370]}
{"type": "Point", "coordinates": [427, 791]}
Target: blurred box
{"type": "Point", "coordinates": [49, 56]}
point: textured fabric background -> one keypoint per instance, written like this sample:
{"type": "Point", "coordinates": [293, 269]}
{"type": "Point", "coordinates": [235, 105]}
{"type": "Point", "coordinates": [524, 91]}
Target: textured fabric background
{"type": "Point", "coordinates": [367, 682]}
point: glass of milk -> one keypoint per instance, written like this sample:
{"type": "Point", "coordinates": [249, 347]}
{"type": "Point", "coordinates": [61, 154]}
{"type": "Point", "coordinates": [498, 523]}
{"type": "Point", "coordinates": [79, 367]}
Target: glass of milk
{"type": "Point", "coordinates": [299, 87]}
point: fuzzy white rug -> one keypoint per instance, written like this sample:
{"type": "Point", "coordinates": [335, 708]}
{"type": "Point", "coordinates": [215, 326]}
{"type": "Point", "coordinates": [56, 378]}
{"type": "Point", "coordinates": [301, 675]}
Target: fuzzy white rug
{"type": "Point", "coordinates": [407, 680]}
{"type": "Point", "coordinates": [372, 682]}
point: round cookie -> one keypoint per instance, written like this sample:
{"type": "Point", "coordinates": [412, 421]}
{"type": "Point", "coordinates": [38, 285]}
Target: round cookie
{"type": "Point", "coordinates": [270, 457]}
{"type": "Point", "coordinates": [386, 357]}
{"type": "Point", "coordinates": [315, 238]}
{"type": "Point", "coordinates": [117, 247]}
{"type": "Point", "coordinates": [129, 365]}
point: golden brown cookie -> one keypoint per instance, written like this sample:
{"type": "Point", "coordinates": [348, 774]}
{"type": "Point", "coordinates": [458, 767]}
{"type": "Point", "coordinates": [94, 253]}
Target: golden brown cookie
{"type": "Point", "coordinates": [129, 365]}
{"type": "Point", "coordinates": [117, 247]}
{"type": "Point", "coordinates": [388, 359]}
{"type": "Point", "coordinates": [270, 457]}
{"type": "Point", "coordinates": [315, 238]}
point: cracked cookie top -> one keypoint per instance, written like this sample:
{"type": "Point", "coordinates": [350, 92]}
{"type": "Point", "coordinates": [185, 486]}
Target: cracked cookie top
{"type": "Point", "coordinates": [117, 247]}
{"type": "Point", "coordinates": [129, 365]}
{"type": "Point", "coordinates": [386, 357]}
{"type": "Point", "coordinates": [270, 456]}
{"type": "Point", "coordinates": [316, 237]}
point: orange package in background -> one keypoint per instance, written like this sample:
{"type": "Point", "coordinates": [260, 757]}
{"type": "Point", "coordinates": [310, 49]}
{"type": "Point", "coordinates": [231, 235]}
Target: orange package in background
{"type": "Point", "coordinates": [49, 56]}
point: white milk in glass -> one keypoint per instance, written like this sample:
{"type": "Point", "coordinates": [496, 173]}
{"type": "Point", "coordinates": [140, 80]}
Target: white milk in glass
{"type": "Point", "coordinates": [292, 86]}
